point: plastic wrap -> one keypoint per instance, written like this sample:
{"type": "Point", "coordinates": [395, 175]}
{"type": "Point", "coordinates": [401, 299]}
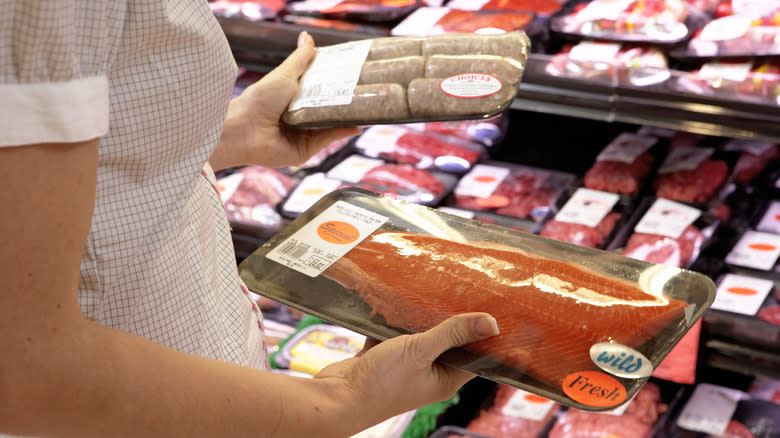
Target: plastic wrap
{"type": "Point", "coordinates": [349, 257]}
{"type": "Point", "coordinates": [410, 79]}
{"type": "Point", "coordinates": [623, 166]}
{"type": "Point", "coordinates": [357, 10]}
{"type": "Point", "coordinates": [488, 132]}
{"type": "Point", "coordinates": [524, 225]}
{"type": "Point", "coordinates": [691, 174]}
{"type": "Point", "coordinates": [750, 81]}
{"type": "Point", "coordinates": [511, 189]}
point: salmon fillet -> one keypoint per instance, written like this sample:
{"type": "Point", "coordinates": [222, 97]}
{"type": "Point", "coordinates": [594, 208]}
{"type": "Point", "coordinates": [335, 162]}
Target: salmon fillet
{"type": "Point", "coordinates": [549, 312]}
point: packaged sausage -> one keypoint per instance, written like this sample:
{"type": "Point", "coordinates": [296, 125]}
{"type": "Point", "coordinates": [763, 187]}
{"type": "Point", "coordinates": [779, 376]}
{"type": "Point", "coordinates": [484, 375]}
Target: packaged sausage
{"type": "Point", "coordinates": [355, 10]}
{"type": "Point", "coordinates": [754, 81]}
{"type": "Point", "coordinates": [610, 63]}
{"type": "Point", "coordinates": [383, 267]}
{"type": "Point", "coordinates": [410, 79]}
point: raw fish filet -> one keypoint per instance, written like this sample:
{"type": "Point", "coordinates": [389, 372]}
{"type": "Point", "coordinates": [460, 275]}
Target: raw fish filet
{"type": "Point", "coordinates": [549, 312]}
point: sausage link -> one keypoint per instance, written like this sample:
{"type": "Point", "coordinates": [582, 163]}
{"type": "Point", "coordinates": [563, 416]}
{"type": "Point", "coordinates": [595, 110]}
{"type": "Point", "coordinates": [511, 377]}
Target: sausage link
{"type": "Point", "coordinates": [394, 47]}
{"type": "Point", "coordinates": [426, 99]}
{"type": "Point", "coordinates": [397, 70]}
{"type": "Point", "coordinates": [372, 102]}
{"type": "Point", "coordinates": [507, 70]}
{"type": "Point", "coordinates": [511, 44]}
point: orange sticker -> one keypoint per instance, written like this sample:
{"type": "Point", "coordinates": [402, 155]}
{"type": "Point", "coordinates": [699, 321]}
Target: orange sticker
{"type": "Point", "coordinates": [593, 388]}
{"type": "Point", "coordinates": [742, 290]}
{"type": "Point", "coordinates": [762, 247]}
{"type": "Point", "coordinates": [312, 192]}
{"type": "Point", "coordinates": [485, 179]}
{"type": "Point", "coordinates": [338, 232]}
{"type": "Point", "coordinates": [533, 398]}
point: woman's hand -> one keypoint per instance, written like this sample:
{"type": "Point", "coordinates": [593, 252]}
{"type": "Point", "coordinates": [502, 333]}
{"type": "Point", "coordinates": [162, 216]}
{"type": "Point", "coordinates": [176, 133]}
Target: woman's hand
{"type": "Point", "coordinates": [254, 133]}
{"type": "Point", "coordinates": [401, 374]}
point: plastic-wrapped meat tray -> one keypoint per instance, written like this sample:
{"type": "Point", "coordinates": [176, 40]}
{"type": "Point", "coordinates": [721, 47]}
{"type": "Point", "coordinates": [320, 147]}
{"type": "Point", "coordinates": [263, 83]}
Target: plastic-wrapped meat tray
{"type": "Point", "coordinates": [508, 189]}
{"type": "Point", "coordinates": [699, 186]}
{"type": "Point", "coordinates": [375, 29]}
{"type": "Point", "coordinates": [488, 132]}
{"type": "Point", "coordinates": [441, 20]}
{"type": "Point", "coordinates": [746, 81]}
{"type": "Point", "coordinates": [613, 172]}
{"type": "Point", "coordinates": [752, 418]}
{"type": "Point", "coordinates": [355, 10]}
{"type": "Point", "coordinates": [524, 225]}
{"type": "Point", "coordinates": [539, 7]}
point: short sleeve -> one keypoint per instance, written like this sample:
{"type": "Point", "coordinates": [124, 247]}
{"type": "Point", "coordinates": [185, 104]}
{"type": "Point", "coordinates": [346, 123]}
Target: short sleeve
{"type": "Point", "coordinates": [54, 56]}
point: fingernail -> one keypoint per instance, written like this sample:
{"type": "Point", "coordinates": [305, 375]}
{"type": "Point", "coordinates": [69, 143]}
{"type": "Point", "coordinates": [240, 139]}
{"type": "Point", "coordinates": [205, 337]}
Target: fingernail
{"type": "Point", "coordinates": [302, 38]}
{"type": "Point", "coordinates": [486, 327]}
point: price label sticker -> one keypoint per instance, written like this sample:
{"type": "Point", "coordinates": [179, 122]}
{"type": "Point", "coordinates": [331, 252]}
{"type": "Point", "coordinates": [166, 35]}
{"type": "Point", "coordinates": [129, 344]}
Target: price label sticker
{"type": "Point", "coordinates": [756, 249]}
{"type": "Point", "coordinates": [353, 168]}
{"type": "Point", "coordinates": [742, 294]}
{"type": "Point", "coordinates": [467, 5]}
{"type": "Point", "coordinates": [332, 76]}
{"type": "Point", "coordinates": [626, 147]}
{"type": "Point", "coordinates": [726, 28]}
{"type": "Point", "coordinates": [685, 158]}
{"type": "Point", "coordinates": [735, 72]}
{"type": "Point", "coordinates": [310, 190]}
{"type": "Point", "coordinates": [709, 409]}
{"type": "Point", "coordinates": [587, 207]}
{"type": "Point", "coordinates": [481, 181]}
{"type": "Point", "coordinates": [667, 218]}
{"type": "Point", "coordinates": [529, 406]}
{"type": "Point", "coordinates": [380, 139]}
{"type": "Point", "coordinates": [587, 51]}
{"type": "Point", "coordinates": [770, 222]}
{"type": "Point", "coordinates": [326, 238]}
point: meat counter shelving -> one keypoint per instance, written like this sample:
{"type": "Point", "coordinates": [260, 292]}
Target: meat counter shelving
{"type": "Point", "coordinates": [262, 45]}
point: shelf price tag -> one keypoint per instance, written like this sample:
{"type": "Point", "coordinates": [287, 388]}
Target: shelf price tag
{"type": "Point", "coordinates": [756, 250]}
{"type": "Point", "coordinates": [529, 406]}
{"type": "Point", "coordinates": [587, 207]}
{"type": "Point", "coordinates": [709, 409]}
{"type": "Point", "coordinates": [481, 181]}
{"type": "Point", "coordinates": [685, 158]}
{"type": "Point", "coordinates": [626, 148]}
{"type": "Point", "coordinates": [309, 191]}
{"type": "Point", "coordinates": [354, 168]}
{"type": "Point", "coordinates": [742, 294]}
{"type": "Point", "coordinates": [667, 218]}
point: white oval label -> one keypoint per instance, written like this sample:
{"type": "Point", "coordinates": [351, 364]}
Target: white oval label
{"type": "Point", "coordinates": [471, 85]}
{"type": "Point", "coordinates": [620, 360]}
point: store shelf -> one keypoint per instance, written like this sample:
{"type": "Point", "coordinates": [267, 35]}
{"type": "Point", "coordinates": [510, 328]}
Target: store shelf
{"type": "Point", "coordinates": [262, 45]}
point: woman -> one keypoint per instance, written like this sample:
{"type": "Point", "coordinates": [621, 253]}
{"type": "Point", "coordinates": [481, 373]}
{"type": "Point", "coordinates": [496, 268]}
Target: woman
{"type": "Point", "coordinates": [121, 311]}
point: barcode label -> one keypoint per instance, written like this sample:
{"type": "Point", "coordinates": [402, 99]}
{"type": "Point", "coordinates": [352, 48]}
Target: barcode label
{"type": "Point", "coordinates": [294, 249]}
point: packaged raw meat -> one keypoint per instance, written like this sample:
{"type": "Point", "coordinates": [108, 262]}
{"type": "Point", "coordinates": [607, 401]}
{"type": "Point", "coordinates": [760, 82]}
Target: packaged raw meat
{"type": "Point", "coordinates": [654, 21]}
{"type": "Point", "coordinates": [679, 365]}
{"type": "Point", "coordinates": [446, 20]}
{"type": "Point", "coordinates": [251, 196]}
{"type": "Point", "coordinates": [586, 217]}
{"type": "Point", "coordinates": [423, 150]}
{"type": "Point", "coordinates": [513, 413]}
{"type": "Point", "coordinates": [383, 267]}
{"type": "Point", "coordinates": [610, 63]}
{"type": "Point", "coordinates": [317, 346]}
{"type": "Point", "coordinates": [688, 174]}
{"type": "Point", "coordinates": [247, 10]}
{"type": "Point", "coordinates": [393, 80]}
{"type": "Point", "coordinates": [755, 156]}
{"type": "Point", "coordinates": [638, 420]}
{"type": "Point", "coordinates": [665, 232]}
{"type": "Point", "coordinates": [755, 81]}
{"type": "Point", "coordinates": [524, 225]}
{"type": "Point", "coordinates": [510, 189]}
{"type": "Point", "coordinates": [623, 165]}
{"type": "Point", "coordinates": [488, 132]}
{"type": "Point", "coordinates": [355, 10]}
{"type": "Point", "coordinates": [378, 29]}
{"type": "Point", "coordinates": [539, 7]}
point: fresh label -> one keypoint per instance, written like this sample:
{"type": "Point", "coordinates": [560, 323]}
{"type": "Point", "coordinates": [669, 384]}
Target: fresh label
{"type": "Point", "coordinates": [754, 147]}
{"type": "Point", "coordinates": [593, 388]}
{"type": "Point", "coordinates": [604, 10]}
{"type": "Point", "coordinates": [332, 76]}
{"type": "Point", "coordinates": [309, 191]}
{"type": "Point", "coordinates": [588, 51]}
{"type": "Point", "coordinates": [587, 207]}
{"type": "Point", "coordinates": [354, 168]}
{"type": "Point", "coordinates": [709, 409]}
{"type": "Point", "coordinates": [482, 181]}
{"type": "Point", "coordinates": [726, 28]}
{"type": "Point", "coordinates": [756, 250]}
{"type": "Point", "coordinates": [667, 218]}
{"type": "Point", "coordinates": [529, 406]}
{"type": "Point", "coordinates": [330, 235]}
{"type": "Point", "coordinates": [380, 139]}
{"type": "Point", "coordinates": [741, 294]}
{"type": "Point", "coordinates": [620, 360]}
{"type": "Point", "coordinates": [626, 147]}
{"type": "Point", "coordinates": [735, 72]}
{"type": "Point", "coordinates": [770, 222]}
{"type": "Point", "coordinates": [685, 158]}
{"type": "Point", "coordinates": [471, 85]}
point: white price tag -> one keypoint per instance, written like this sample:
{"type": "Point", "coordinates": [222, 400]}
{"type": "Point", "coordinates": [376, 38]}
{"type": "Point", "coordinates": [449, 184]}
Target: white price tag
{"type": "Point", "coordinates": [587, 207]}
{"type": "Point", "coordinates": [735, 72]}
{"type": "Point", "coordinates": [685, 158]}
{"type": "Point", "coordinates": [310, 190]}
{"type": "Point", "coordinates": [332, 76]}
{"type": "Point", "coordinates": [667, 218]}
{"type": "Point", "coordinates": [313, 5]}
{"type": "Point", "coordinates": [380, 139]}
{"type": "Point", "coordinates": [523, 404]}
{"type": "Point", "coordinates": [604, 10]}
{"type": "Point", "coordinates": [770, 222]}
{"type": "Point", "coordinates": [421, 22]}
{"type": "Point", "coordinates": [742, 294]}
{"type": "Point", "coordinates": [709, 409]}
{"type": "Point", "coordinates": [330, 235]}
{"type": "Point", "coordinates": [754, 147]}
{"type": "Point", "coordinates": [353, 168]}
{"type": "Point", "coordinates": [588, 51]}
{"type": "Point", "coordinates": [726, 28]}
{"type": "Point", "coordinates": [228, 185]}
{"type": "Point", "coordinates": [626, 147]}
{"type": "Point", "coordinates": [467, 5]}
{"type": "Point", "coordinates": [756, 250]}
{"type": "Point", "coordinates": [481, 181]}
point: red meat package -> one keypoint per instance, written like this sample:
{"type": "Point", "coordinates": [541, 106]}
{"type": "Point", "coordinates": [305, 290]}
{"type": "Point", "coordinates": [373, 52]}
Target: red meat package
{"type": "Point", "coordinates": [365, 10]}
{"type": "Point", "coordinates": [488, 132]}
{"type": "Point", "coordinates": [587, 218]}
{"type": "Point", "coordinates": [623, 165]}
{"type": "Point", "coordinates": [689, 175]}
{"type": "Point", "coordinates": [754, 157]}
{"type": "Point", "coordinates": [610, 63]}
{"type": "Point", "coordinates": [439, 20]}
{"type": "Point", "coordinates": [251, 195]}
{"type": "Point", "coordinates": [511, 190]}
{"type": "Point", "coordinates": [514, 413]}
{"type": "Point", "coordinates": [540, 7]}
{"type": "Point", "coordinates": [422, 150]}
{"type": "Point", "coordinates": [247, 10]}
{"type": "Point", "coordinates": [751, 81]}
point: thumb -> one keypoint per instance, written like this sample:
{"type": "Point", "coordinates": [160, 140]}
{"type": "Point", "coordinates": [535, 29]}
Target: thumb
{"type": "Point", "coordinates": [456, 331]}
{"type": "Point", "coordinates": [298, 61]}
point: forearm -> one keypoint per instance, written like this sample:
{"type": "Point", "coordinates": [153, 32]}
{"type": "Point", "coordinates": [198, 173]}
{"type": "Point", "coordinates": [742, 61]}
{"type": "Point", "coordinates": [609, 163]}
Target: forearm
{"type": "Point", "coordinates": [96, 381]}
{"type": "Point", "coordinates": [232, 149]}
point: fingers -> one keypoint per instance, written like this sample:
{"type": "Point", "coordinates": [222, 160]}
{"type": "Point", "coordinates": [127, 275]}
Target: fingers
{"type": "Point", "coordinates": [295, 64]}
{"type": "Point", "coordinates": [454, 332]}
{"type": "Point", "coordinates": [367, 345]}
